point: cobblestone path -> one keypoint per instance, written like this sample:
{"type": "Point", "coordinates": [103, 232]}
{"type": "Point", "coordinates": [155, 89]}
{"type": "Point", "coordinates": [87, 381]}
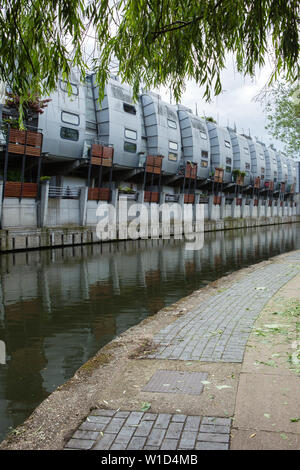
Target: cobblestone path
{"type": "Point", "coordinates": [125, 430]}
{"type": "Point", "coordinates": [218, 330]}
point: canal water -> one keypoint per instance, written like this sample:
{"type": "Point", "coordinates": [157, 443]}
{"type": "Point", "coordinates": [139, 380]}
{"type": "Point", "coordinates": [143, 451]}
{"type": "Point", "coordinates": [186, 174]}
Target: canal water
{"type": "Point", "coordinates": [59, 307]}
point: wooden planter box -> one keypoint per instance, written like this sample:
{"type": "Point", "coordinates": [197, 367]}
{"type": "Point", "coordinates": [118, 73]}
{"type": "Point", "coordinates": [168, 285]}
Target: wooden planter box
{"type": "Point", "coordinates": [154, 164]}
{"type": "Point", "coordinates": [217, 200]}
{"type": "Point", "coordinates": [270, 203]}
{"type": "Point", "coordinates": [255, 202]}
{"type": "Point", "coordinates": [101, 155]}
{"type": "Point", "coordinates": [191, 171]}
{"type": "Point", "coordinates": [13, 189]}
{"type": "Point", "coordinates": [238, 201]}
{"type": "Point", "coordinates": [239, 180]}
{"type": "Point", "coordinates": [257, 183]}
{"type": "Point", "coordinates": [151, 196]}
{"type": "Point", "coordinates": [25, 142]}
{"type": "Point", "coordinates": [99, 194]}
{"type": "Point", "coordinates": [219, 175]}
{"type": "Point", "coordinates": [189, 198]}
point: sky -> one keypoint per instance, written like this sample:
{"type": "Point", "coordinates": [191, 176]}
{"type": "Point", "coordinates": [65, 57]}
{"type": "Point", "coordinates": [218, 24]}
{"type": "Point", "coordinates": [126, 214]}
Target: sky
{"type": "Point", "coordinates": [235, 105]}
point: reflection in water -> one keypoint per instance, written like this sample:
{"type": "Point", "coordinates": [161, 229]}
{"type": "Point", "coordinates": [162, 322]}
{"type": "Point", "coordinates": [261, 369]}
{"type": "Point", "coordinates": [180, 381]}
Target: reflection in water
{"type": "Point", "coordinates": [58, 307]}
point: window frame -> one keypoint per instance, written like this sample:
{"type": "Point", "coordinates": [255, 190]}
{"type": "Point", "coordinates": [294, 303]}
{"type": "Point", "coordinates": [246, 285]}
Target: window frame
{"type": "Point", "coordinates": [71, 114]}
{"type": "Point", "coordinates": [173, 148]}
{"type": "Point", "coordinates": [171, 120]}
{"type": "Point", "coordinates": [72, 84]}
{"type": "Point", "coordinates": [126, 130]}
{"type": "Point", "coordinates": [171, 155]}
{"type": "Point", "coordinates": [131, 109]}
{"type": "Point", "coordinates": [129, 143]}
{"type": "Point", "coordinates": [69, 129]}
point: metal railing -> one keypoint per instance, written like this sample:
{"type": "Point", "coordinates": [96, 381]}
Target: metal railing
{"type": "Point", "coordinates": [65, 192]}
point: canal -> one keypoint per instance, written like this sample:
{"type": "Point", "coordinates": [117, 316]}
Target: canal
{"type": "Point", "coordinates": [59, 307]}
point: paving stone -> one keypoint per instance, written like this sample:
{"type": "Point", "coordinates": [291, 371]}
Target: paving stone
{"type": "Point", "coordinates": [118, 446]}
{"type": "Point", "coordinates": [115, 425]}
{"type": "Point", "coordinates": [104, 442]}
{"type": "Point", "coordinates": [162, 421]}
{"type": "Point", "coordinates": [211, 446]}
{"type": "Point", "coordinates": [92, 426]}
{"type": "Point", "coordinates": [98, 419]}
{"type": "Point", "coordinates": [216, 421]}
{"type": "Point", "coordinates": [143, 429]}
{"type": "Point", "coordinates": [179, 418]}
{"type": "Point", "coordinates": [188, 440]}
{"type": "Point", "coordinates": [122, 414]}
{"type": "Point", "coordinates": [192, 423]}
{"type": "Point", "coordinates": [134, 418]}
{"type": "Point", "coordinates": [86, 435]}
{"type": "Point", "coordinates": [169, 444]}
{"type": "Point", "coordinates": [215, 429]}
{"type": "Point", "coordinates": [80, 443]}
{"type": "Point", "coordinates": [156, 437]}
{"type": "Point", "coordinates": [125, 435]}
{"type": "Point", "coordinates": [136, 443]}
{"type": "Point", "coordinates": [167, 381]}
{"type": "Point", "coordinates": [174, 430]}
{"type": "Point", "coordinates": [212, 437]}
{"type": "Point", "coordinates": [150, 416]}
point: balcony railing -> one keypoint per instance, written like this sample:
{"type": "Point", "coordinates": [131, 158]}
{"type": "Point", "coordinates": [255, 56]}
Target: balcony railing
{"type": "Point", "coordinates": [65, 192]}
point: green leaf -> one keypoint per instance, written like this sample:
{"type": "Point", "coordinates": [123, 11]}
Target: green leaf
{"type": "Point", "coordinates": [145, 406]}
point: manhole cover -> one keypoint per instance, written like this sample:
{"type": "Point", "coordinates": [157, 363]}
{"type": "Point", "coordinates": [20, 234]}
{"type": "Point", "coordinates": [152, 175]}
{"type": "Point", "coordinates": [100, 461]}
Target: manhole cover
{"type": "Point", "coordinates": [167, 381]}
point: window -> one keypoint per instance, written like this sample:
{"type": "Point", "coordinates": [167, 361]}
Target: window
{"type": "Point", "coordinates": [203, 135]}
{"type": "Point", "coordinates": [173, 145]}
{"type": "Point", "coordinates": [262, 177]}
{"type": "Point", "coordinates": [262, 157]}
{"type": "Point", "coordinates": [172, 124]}
{"type": "Point", "coordinates": [228, 169]}
{"type": "Point", "coordinates": [70, 118]}
{"type": "Point", "coordinates": [64, 87]}
{"type": "Point", "coordinates": [130, 134]}
{"type": "Point", "coordinates": [275, 173]}
{"type": "Point", "coordinates": [247, 166]}
{"type": "Point", "coordinates": [173, 157]}
{"type": "Point", "coordinates": [246, 150]}
{"type": "Point", "coordinates": [204, 154]}
{"type": "Point", "coordinates": [69, 134]}
{"type": "Point", "coordinates": [262, 170]}
{"type": "Point", "coordinates": [227, 144]}
{"type": "Point", "coordinates": [204, 163]}
{"type": "Point", "coordinates": [130, 147]}
{"type": "Point", "coordinates": [128, 108]}
{"type": "Point", "coordinates": [228, 161]}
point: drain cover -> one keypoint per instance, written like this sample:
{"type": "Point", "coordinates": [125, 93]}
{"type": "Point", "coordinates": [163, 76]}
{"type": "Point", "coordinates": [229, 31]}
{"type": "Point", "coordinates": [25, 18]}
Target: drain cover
{"type": "Point", "coordinates": [169, 381]}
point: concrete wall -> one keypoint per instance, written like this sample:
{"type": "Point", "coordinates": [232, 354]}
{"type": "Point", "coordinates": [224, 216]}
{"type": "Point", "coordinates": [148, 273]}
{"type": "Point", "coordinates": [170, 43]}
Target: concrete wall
{"type": "Point", "coordinates": [19, 213]}
{"type": "Point", "coordinates": [62, 212]}
{"type": "Point", "coordinates": [58, 212]}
